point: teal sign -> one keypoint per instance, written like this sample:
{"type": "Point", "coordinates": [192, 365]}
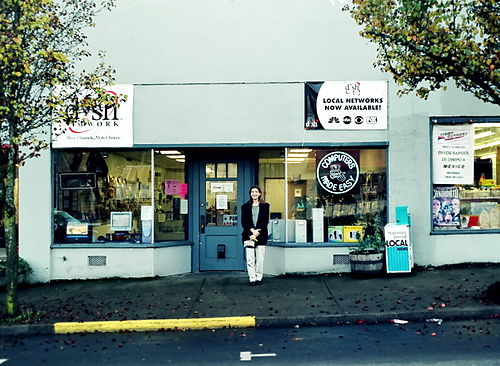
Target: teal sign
{"type": "Point", "coordinates": [398, 249]}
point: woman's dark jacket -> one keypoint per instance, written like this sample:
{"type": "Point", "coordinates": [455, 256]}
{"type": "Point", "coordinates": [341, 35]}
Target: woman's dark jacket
{"type": "Point", "coordinates": [262, 221]}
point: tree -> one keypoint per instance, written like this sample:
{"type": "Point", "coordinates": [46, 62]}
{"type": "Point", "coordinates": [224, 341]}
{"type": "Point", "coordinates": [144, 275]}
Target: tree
{"type": "Point", "coordinates": [42, 43]}
{"type": "Point", "coordinates": [425, 43]}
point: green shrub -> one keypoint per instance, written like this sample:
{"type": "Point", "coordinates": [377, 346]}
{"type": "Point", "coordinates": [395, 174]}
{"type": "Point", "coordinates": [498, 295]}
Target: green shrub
{"type": "Point", "coordinates": [373, 239]}
{"type": "Point", "coordinates": [369, 244]}
{"type": "Point", "coordinates": [23, 267]}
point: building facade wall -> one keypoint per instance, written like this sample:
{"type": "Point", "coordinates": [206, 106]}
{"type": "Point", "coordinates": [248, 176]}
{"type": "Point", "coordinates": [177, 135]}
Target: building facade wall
{"type": "Point", "coordinates": [35, 218]}
{"type": "Point", "coordinates": [231, 73]}
{"type": "Point", "coordinates": [71, 263]}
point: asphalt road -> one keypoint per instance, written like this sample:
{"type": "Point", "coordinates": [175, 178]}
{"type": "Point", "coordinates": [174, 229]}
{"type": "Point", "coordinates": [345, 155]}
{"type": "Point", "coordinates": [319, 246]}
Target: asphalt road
{"type": "Point", "coordinates": [453, 343]}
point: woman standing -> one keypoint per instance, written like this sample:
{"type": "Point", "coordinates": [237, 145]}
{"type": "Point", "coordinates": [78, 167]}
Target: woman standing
{"type": "Point", "coordinates": [254, 219]}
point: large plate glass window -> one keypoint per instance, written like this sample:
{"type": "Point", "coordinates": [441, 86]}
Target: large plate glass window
{"type": "Point", "coordinates": [106, 196]}
{"type": "Point", "coordinates": [99, 195]}
{"type": "Point", "coordinates": [272, 181]}
{"type": "Point", "coordinates": [333, 194]}
{"type": "Point", "coordinates": [465, 190]}
{"type": "Point", "coordinates": [170, 196]}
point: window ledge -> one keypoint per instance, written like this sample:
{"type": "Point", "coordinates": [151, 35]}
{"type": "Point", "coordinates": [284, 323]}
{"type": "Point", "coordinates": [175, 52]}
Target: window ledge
{"type": "Point", "coordinates": [465, 232]}
{"type": "Point", "coordinates": [165, 244]}
{"type": "Point", "coordinates": [311, 245]}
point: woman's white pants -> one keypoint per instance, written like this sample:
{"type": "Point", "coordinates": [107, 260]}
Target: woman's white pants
{"type": "Point", "coordinates": [255, 262]}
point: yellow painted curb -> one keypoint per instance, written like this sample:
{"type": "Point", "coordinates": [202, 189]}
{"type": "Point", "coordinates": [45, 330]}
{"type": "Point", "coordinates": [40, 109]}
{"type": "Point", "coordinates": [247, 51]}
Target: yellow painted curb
{"type": "Point", "coordinates": [155, 325]}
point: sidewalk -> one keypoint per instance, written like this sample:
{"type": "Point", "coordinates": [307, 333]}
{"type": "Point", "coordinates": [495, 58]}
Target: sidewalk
{"type": "Point", "coordinates": [280, 301]}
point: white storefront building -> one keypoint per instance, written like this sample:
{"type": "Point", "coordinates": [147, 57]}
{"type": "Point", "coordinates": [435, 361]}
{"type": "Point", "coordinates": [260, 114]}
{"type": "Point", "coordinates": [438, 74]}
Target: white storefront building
{"type": "Point", "coordinates": [225, 94]}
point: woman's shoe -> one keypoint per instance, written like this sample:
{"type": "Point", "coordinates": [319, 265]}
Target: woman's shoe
{"type": "Point", "coordinates": [253, 283]}
{"type": "Point", "coordinates": [258, 283]}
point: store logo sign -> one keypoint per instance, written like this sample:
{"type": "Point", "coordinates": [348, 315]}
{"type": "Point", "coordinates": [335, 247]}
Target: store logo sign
{"type": "Point", "coordinates": [103, 126]}
{"type": "Point", "coordinates": [100, 116]}
{"type": "Point", "coordinates": [337, 172]}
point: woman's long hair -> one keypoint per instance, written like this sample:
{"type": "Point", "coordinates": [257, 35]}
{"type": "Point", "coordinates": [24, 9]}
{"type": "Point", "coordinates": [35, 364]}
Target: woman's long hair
{"type": "Point", "coordinates": [260, 191]}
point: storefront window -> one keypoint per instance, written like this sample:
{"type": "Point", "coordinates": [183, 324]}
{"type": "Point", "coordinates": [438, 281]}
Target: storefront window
{"type": "Point", "coordinates": [466, 194]}
{"type": "Point", "coordinates": [323, 195]}
{"type": "Point", "coordinates": [334, 194]}
{"type": "Point", "coordinates": [99, 195]}
{"type": "Point", "coordinates": [171, 204]}
{"type": "Point", "coordinates": [272, 180]}
{"type": "Point", "coordinates": [107, 196]}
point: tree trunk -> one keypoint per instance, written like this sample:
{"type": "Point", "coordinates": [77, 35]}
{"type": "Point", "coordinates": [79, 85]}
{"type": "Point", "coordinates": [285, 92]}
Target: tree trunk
{"type": "Point", "coordinates": [10, 227]}
{"type": "Point", "coordinates": [3, 175]}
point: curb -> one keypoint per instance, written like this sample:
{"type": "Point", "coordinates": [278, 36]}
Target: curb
{"type": "Point", "coordinates": [373, 318]}
{"type": "Point", "coordinates": [26, 329]}
{"type": "Point", "coordinates": [151, 325]}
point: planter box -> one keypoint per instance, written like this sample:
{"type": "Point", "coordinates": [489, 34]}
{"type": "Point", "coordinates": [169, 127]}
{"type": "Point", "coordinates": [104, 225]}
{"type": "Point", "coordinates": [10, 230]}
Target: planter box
{"type": "Point", "coordinates": [367, 264]}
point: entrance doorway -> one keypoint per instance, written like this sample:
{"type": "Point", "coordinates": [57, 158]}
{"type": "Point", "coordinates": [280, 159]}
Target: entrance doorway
{"type": "Point", "coordinates": [222, 188]}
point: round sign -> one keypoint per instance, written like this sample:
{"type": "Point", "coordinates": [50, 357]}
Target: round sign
{"type": "Point", "coordinates": [337, 172]}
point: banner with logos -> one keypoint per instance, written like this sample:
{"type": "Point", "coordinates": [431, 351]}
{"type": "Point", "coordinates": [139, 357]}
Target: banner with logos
{"type": "Point", "coordinates": [346, 105]}
{"type": "Point", "coordinates": [453, 154]}
{"type": "Point", "coordinates": [105, 126]}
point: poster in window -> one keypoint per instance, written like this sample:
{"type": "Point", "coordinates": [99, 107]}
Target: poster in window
{"type": "Point", "coordinates": [221, 202]}
{"type": "Point", "coordinates": [338, 172]}
{"type": "Point", "coordinates": [183, 190]}
{"type": "Point", "coordinates": [453, 154]}
{"type": "Point", "coordinates": [171, 187]}
{"type": "Point", "coordinates": [446, 208]}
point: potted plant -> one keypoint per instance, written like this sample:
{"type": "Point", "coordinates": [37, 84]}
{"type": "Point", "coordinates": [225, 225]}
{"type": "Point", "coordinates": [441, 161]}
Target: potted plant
{"type": "Point", "coordinates": [24, 270]}
{"type": "Point", "coordinates": [367, 258]}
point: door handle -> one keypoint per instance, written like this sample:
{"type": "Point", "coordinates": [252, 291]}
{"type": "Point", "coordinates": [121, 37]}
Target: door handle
{"type": "Point", "coordinates": [202, 224]}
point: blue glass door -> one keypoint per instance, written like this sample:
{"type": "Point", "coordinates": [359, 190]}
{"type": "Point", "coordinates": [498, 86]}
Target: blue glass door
{"type": "Point", "coordinates": [221, 196]}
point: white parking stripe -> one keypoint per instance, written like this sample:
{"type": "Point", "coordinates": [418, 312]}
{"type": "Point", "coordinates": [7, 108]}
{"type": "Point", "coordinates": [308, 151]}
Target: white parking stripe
{"type": "Point", "coordinates": [247, 356]}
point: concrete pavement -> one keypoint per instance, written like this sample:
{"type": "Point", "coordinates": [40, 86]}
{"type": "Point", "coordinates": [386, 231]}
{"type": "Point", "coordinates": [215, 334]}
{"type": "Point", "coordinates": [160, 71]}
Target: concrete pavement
{"type": "Point", "coordinates": [220, 299]}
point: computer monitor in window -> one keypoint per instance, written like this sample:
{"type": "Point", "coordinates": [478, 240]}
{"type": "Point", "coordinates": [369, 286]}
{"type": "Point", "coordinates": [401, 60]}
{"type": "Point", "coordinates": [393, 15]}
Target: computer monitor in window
{"type": "Point", "coordinates": [121, 221]}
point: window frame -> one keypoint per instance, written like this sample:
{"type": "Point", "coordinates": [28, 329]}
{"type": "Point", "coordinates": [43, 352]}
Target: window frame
{"type": "Point", "coordinates": [332, 147]}
{"type": "Point", "coordinates": [153, 203]}
{"type": "Point", "coordinates": [453, 120]}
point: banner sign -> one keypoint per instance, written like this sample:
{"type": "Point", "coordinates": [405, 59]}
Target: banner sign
{"type": "Point", "coordinates": [105, 126]}
{"type": "Point", "coordinates": [337, 172]}
{"type": "Point", "coordinates": [346, 105]}
{"type": "Point", "coordinates": [453, 154]}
